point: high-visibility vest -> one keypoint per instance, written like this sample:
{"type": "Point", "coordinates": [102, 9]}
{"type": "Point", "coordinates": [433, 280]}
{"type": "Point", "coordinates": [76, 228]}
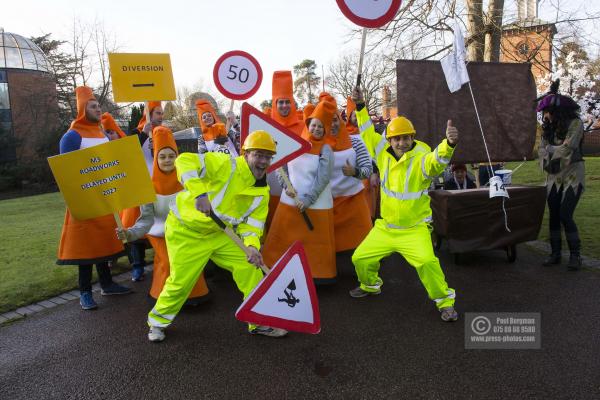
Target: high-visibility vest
{"type": "Point", "coordinates": [231, 189]}
{"type": "Point", "coordinates": [404, 183]}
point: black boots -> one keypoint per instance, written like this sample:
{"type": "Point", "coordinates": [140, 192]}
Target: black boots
{"type": "Point", "coordinates": [575, 250]}
{"type": "Point", "coordinates": [555, 245]}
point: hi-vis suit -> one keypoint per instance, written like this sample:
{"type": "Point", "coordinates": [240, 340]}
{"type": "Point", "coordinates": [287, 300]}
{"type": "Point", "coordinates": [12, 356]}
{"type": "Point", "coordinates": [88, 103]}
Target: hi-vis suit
{"type": "Point", "coordinates": [405, 212]}
{"type": "Point", "coordinates": [193, 238]}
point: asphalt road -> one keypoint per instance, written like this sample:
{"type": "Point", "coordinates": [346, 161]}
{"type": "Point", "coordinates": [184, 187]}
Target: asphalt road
{"type": "Point", "coordinates": [388, 346]}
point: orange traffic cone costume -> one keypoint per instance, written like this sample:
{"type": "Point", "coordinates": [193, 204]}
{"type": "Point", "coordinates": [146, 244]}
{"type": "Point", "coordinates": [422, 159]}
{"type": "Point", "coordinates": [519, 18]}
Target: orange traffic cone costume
{"type": "Point", "coordinates": [350, 108]}
{"type": "Point", "coordinates": [109, 124]}
{"type": "Point", "coordinates": [130, 215]}
{"type": "Point", "coordinates": [305, 174]}
{"type": "Point", "coordinates": [282, 88]}
{"type": "Point", "coordinates": [308, 109]}
{"type": "Point", "coordinates": [210, 132]}
{"type": "Point", "coordinates": [214, 133]}
{"type": "Point", "coordinates": [351, 213]}
{"type": "Point", "coordinates": [93, 240]}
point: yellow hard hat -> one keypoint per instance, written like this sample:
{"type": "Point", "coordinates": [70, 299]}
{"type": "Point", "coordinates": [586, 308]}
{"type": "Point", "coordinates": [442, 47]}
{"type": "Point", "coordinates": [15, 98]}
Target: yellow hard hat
{"type": "Point", "coordinates": [399, 126]}
{"type": "Point", "coordinates": [259, 140]}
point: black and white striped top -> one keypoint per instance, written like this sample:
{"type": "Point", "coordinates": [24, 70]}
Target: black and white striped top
{"type": "Point", "coordinates": [364, 166]}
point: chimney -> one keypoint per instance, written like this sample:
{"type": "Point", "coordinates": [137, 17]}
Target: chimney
{"type": "Point", "coordinates": [521, 10]}
{"type": "Point", "coordinates": [532, 8]}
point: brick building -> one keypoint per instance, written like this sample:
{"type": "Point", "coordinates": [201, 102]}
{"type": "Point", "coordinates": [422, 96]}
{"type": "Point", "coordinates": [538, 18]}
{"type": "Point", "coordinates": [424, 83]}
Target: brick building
{"type": "Point", "coordinates": [28, 103]}
{"type": "Point", "coordinates": [529, 39]}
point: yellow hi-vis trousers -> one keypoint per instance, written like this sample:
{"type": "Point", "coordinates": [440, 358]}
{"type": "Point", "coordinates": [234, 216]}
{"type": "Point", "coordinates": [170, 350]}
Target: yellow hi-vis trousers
{"type": "Point", "coordinates": [414, 244]}
{"type": "Point", "coordinates": [189, 251]}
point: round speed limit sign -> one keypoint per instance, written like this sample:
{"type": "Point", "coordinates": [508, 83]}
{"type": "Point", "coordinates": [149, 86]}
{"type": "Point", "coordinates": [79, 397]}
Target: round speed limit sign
{"type": "Point", "coordinates": [369, 13]}
{"type": "Point", "coordinates": [237, 75]}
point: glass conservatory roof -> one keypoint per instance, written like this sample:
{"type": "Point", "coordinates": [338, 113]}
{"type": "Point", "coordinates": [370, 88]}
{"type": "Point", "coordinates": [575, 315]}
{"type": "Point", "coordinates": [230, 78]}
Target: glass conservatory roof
{"type": "Point", "coordinates": [21, 53]}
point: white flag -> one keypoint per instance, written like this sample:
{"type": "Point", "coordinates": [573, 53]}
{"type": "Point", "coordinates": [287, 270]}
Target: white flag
{"type": "Point", "coordinates": [453, 64]}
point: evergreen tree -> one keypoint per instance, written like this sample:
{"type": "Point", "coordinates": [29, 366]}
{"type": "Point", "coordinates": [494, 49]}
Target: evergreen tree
{"type": "Point", "coordinates": [136, 115]}
{"type": "Point", "coordinates": [306, 85]}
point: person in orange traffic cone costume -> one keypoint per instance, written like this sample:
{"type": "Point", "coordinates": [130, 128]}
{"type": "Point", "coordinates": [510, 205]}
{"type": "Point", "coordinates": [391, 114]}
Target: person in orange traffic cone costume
{"type": "Point", "coordinates": [214, 132]}
{"type": "Point", "coordinates": [310, 176]}
{"type": "Point", "coordinates": [112, 130]}
{"type": "Point", "coordinates": [283, 111]}
{"type": "Point", "coordinates": [91, 241]}
{"type": "Point", "coordinates": [137, 249]}
{"type": "Point", "coordinates": [352, 162]}
{"type": "Point", "coordinates": [152, 219]}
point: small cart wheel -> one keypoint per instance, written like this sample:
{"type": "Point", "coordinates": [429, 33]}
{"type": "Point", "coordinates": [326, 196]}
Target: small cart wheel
{"type": "Point", "coordinates": [511, 253]}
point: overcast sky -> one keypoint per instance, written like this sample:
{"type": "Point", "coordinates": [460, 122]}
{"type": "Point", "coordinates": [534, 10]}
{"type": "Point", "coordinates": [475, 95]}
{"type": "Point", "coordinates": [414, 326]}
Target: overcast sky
{"type": "Point", "coordinates": [279, 33]}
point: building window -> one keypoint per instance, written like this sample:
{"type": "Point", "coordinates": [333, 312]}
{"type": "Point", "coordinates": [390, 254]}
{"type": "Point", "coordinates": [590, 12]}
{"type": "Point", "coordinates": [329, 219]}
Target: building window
{"type": "Point", "coordinates": [4, 99]}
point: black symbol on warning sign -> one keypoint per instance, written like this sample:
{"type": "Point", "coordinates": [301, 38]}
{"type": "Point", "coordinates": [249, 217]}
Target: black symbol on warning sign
{"type": "Point", "coordinates": [290, 299]}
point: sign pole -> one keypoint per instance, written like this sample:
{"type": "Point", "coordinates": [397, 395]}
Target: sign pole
{"type": "Point", "coordinates": [362, 56]}
{"type": "Point", "coordinates": [235, 238]}
{"type": "Point", "coordinates": [148, 117]}
{"type": "Point", "coordinates": [286, 180]}
{"type": "Point", "coordinates": [119, 225]}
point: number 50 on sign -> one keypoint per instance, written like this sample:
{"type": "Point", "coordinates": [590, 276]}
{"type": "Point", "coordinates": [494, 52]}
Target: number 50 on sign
{"type": "Point", "coordinates": [237, 75]}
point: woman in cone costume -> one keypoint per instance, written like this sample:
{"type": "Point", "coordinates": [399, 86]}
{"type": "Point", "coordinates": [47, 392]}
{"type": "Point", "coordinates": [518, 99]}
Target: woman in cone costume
{"type": "Point", "coordinates": [310, 176]}
{"type": "Point", "coordinates": [137, 248]}
{"type": "Point", "coordinates": [151, 222]}
{"type": "Point", "coordinates": [352, 218]}
{"type": "Point", "coordinates": [214, 133]}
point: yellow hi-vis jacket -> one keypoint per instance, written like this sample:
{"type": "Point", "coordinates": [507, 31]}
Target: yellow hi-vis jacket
{"type": "Point", "coordinates": [231, 189]}
{"type": "Point", "coordinates": [404, 183]}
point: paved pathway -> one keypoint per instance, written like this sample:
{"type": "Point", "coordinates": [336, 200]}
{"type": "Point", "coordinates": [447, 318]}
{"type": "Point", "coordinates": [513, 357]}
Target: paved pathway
{"type": "Point", "coordinates": [389, 346]}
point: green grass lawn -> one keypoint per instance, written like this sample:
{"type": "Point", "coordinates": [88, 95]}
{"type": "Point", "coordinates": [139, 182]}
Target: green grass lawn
{"type": "Point", "coordinates": [587, 216]}
{"type": "Point", "coordinates": [31, 229]}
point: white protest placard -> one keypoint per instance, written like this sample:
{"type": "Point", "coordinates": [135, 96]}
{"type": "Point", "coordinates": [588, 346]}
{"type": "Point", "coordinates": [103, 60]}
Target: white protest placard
{"type": "Point", "coordinates": [286, 298]}
{"type": "Point", "coordinates": [369, 13]}
{"type": "Point", "coordinates": [237, 75]}
{"type": "Point", "coordinates": [289, 144]}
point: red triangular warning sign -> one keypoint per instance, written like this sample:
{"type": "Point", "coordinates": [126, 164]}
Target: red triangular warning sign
{"type": "Point", "coordinates": [289, 145]}
{"type": "Point", "coordinates": [286, 297]}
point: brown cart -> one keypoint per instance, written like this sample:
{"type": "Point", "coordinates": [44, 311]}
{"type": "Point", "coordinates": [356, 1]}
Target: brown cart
{"type": "Point", "coordinates": [468, 220]}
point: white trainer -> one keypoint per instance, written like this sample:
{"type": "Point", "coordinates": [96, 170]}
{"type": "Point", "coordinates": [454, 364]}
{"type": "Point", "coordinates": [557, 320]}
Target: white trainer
{"type": "Point", "coordinates": [156, 334]}
{"type": "Point", "coordinates": [268, 331]}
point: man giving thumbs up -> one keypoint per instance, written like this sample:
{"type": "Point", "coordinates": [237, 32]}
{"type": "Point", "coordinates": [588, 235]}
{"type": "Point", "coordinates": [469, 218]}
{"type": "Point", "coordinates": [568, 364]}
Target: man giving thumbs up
{"type": "Point", "coordinates": [406, 166]}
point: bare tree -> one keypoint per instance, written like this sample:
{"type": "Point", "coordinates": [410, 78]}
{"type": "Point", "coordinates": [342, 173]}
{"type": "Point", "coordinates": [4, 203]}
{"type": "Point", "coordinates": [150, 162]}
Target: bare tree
{"type": "Point", "coordinates": [181, 113]}
{"type": "Point", "coordinates": [421, 27]}
{"type": "Point", "coordinates": [378, 71]}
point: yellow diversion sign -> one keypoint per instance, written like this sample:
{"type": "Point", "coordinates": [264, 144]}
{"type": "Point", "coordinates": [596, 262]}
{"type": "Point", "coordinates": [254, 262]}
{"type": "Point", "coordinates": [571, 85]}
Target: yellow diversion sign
{"type": "Point", "coordinates": [141, 77]}
{"type": "Point", "coordinates": [103, 179]}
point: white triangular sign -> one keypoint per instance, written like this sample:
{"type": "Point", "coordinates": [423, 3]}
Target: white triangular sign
{"type": "Point", "coordinates": [286, 298]}
{"type": "Point", "coordinates": [289, 144]}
